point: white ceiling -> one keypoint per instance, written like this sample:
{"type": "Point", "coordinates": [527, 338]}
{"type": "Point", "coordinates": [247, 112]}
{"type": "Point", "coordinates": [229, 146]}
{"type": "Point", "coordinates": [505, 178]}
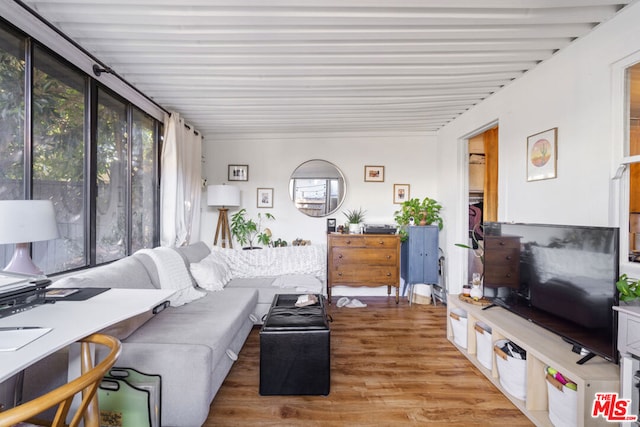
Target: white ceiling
{"type": "Point", "coordinates": [282, 66]}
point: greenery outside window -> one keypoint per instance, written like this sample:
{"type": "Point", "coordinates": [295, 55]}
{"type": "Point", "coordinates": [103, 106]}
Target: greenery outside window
{"type": "Point", "coordinates": [65, 137]}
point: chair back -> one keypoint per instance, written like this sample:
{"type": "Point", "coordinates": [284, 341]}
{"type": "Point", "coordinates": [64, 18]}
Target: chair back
{"type": "Point", "coordinates": [62, 397]}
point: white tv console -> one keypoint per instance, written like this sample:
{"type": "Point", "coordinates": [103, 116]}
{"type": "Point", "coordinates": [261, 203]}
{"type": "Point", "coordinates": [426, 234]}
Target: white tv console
{"type": "Point", "coordinates": [544, 349]}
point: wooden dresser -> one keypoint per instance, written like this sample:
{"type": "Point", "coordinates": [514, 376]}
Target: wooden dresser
{"type": "Point", "coordinates": [502, 261]}
{"type": "Point", "coordinates": [363, 260]}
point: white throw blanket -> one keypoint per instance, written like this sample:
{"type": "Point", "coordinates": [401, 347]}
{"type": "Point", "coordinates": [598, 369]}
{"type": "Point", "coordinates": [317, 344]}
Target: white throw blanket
{"type": "Point", "coordinates": [310, 260]}
{"type": "Point", "coordinates": [173, 275]}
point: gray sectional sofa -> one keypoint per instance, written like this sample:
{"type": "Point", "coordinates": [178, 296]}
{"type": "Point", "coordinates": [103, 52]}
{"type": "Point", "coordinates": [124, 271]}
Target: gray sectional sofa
{"type": "Point", "coordinates": [193, 346]}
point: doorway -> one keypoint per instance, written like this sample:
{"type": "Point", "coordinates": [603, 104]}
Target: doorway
{"type": "Point", "coordinates": [483, 192]}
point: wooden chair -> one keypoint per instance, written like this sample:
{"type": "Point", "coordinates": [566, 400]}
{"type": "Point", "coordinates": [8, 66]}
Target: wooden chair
{"type": "Point", "coordinates": [87, 383]}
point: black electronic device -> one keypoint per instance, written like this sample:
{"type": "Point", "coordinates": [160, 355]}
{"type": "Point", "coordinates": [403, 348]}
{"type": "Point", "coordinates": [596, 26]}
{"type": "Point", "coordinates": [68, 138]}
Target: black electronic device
{"type": "Point", "coordinates": [331, 225]}
{"type": "Point", "coordinates": [565, 280]}
{"type": "Point", "coordinates": [379, 229]}
{"type": "Point", "coordinates": [24, 298]}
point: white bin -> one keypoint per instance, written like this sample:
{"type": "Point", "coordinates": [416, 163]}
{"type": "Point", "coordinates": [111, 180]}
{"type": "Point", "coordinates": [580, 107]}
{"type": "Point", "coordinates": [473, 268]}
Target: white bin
{"type": "Point", "coordinates": [484, 349]}
{"type": "Point", "coordinates": [421, 294]}
{"type": "Point", "coordinates": [563, 404]}
{"type": "Point", "coordinates": [512, 372]}
{"type": "Point", "coordinates": [459, 326]}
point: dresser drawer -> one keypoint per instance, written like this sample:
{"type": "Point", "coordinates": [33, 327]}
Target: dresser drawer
{"type": "Point", "coordinates": [497, 242]}
{"type": "Point", "coordinates": [381, 241]}
{"type": "Point", "coordinates": [361, 257]}
{"type": "Point", "coordinates": [371, 276]}
{"type": "Point", "coordinates": [351, 241]}
{"type": "Point", "coordinates": [502, 267]}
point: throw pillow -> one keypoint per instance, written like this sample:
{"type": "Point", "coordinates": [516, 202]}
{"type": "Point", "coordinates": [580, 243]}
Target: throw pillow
{"type": "Point", "coordinates": [211, 273]}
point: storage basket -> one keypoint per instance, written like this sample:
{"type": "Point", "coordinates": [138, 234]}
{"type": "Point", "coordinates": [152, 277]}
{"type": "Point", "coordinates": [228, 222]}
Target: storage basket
{"type": "Point", "coordinates": [459, 326]}
{"type": "Point", "coordinates": [484, 352]}
{"type": "Point", "coordinates": [421, 294]}
{"type": "Point", "coordinates": [563, 403]}
{"type": "Point", "coordinates": [512, 372]}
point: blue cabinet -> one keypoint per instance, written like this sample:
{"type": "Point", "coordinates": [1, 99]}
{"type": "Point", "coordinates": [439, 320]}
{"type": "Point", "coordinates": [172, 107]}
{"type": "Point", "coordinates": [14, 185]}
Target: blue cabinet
{"type": "Point", "coordinates": [419, 256]}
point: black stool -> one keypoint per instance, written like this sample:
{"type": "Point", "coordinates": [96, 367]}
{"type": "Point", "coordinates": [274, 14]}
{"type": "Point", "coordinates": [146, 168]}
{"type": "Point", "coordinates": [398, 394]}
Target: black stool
{"type": "Point", "coordinates": [294, 348]}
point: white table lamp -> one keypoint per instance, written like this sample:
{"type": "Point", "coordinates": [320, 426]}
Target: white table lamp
{"type": "Point", "coordinates": [223, 196]}
{"type": "Point", "coordinates": [23, 222]}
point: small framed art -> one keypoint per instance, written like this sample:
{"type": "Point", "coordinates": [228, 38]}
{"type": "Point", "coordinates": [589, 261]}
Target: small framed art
{"type": "Point", "coordinates": [400, 193]}
{"type": "Point", "coordinates": [542, 155]}
{"type": "Point", "coordinates": [374, 173]}
{"type": "Point", "coordinates": [265, 197]}
{"type": "Point", "coordinates": [238, 173]}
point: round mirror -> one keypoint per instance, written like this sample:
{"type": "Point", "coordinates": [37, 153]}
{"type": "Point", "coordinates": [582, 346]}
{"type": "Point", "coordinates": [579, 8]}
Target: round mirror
{"type": "Point", "coordinates": [317, 188]}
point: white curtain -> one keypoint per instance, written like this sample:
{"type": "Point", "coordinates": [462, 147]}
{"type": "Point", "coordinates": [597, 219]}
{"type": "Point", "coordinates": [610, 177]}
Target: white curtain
{"type": "Point", "coordinates": [180, 183]}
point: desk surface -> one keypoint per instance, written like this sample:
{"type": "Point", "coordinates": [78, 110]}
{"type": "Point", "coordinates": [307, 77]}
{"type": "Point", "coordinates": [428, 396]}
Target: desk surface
{"type": "Point", "coordinates": [73, 320]}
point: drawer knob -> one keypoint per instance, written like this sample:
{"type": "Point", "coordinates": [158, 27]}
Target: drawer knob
{"type": "Point", "coordinates": [388, 256]}
{"type": "Point", "coordinates": [340, 256]}
{"type": "Point", "coordinates": [502, 243]}
{"type": "Point", "coordinates": [388, 274]}
{"type": "Point", "coordinates": [340, 274]}
{"type": "Point", "coordinates": [508, 257]}
{"type": "Point", "coordinates": [348, 242]}
{"type": "Point", "coordinates": [508, 275]}
{"type": "Point", "coordinates": [381, 242]}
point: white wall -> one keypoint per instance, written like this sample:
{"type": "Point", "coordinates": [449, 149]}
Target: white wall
{"type": "Point", "coordinates": [272, 159]}
{"type": "Point", "coordinates": [571, 91]}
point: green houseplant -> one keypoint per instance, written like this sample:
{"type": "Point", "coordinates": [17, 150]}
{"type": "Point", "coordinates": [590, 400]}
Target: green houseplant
{"type": "Point", "coordinates": [246, 230]}
{"type": "Point", "coordinates": [629, 290]}
{"type": "Point", "coordinates": [418, 212]}
{"type": "Point", "coordinates": [354, 218]}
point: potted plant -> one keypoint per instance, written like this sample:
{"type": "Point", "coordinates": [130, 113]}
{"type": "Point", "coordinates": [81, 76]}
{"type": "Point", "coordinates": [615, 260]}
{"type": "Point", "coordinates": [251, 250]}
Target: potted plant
{"type": "Point", "coordinates": [246, 230]}
{"type": "Point", "coordinates": [354, 219]}
{"type": "Point", "coordinates": [418, 212]}
{"type": "Point", "coordinates": [629, 290]}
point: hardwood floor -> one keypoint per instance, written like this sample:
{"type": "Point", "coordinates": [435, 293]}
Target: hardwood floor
{"type": "Point", "coordinates": [390, 365]}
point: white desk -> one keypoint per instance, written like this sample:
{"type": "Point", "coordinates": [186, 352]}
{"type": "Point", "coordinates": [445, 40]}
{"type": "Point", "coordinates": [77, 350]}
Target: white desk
{"type": "Point", "coordinates": [73, 320]}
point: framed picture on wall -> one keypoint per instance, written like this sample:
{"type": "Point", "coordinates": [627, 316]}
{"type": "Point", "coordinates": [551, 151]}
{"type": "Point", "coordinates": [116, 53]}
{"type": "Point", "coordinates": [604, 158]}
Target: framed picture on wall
{"type": "Point", "coordinates": [374, 173]}
{"type": "Point", "coordinates": [542, 155]}
{"type": "Point", "coordinates": [238, 173]}
{"type": "Point", "coordinates": [400, 193]}
{"type": "Point", "coordinates": [265, 197]}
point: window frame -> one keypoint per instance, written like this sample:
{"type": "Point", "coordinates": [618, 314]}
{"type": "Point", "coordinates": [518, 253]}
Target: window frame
{"type": "Point", "coordinates": [619, 212]}
{"type": "Point", "coordinates": [90, 160]}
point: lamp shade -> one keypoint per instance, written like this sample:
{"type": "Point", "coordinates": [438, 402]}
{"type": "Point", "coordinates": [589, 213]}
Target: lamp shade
{"type": "Point", "coordinates": [24, 221]}
{"type": "Point", "coordinates": [223, 195]}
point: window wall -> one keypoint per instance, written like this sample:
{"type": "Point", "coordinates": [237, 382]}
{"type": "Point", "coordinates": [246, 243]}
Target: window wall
{"type": "Point", "coordinates": [66, 138]}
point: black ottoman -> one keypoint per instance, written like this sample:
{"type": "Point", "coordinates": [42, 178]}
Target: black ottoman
{"type": "Point", "coordinates": [294, 348]}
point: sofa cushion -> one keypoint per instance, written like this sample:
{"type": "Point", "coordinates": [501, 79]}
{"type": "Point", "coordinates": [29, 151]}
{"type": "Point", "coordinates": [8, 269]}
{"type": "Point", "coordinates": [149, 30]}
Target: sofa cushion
{"type": "Point", "coordinates": [194, 252]}
{"type": "Point", "coordinates": [266, 292]}
{"type": "Point", "coordinates": [299, 283]}
{"type": "Point", "coordinates": [211, 321]}
{"type": "Point", "coordinates": [127, 272]}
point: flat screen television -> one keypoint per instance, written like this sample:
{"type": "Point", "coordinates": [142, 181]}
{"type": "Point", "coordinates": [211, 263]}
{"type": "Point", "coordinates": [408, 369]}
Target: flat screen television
{"type": "Point", "coordinates": [565, 281]}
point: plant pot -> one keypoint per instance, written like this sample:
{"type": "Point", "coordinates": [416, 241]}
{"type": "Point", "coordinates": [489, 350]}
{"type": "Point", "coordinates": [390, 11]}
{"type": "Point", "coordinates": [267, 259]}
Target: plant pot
{"type": "Point", "coordinates": [354, 228]}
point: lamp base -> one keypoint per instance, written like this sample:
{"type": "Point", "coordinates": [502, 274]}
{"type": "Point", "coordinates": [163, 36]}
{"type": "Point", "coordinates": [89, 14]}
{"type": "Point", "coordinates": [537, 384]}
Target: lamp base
{"type": "Point", "coordinates": [21, 261]}
{"type": "Point", "coordinates": [223, 228]}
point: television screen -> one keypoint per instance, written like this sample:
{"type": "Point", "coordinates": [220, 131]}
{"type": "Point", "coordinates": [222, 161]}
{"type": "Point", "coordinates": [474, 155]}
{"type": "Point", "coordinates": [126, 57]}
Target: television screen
{"type": "Point", "coordinates": [561, 277]}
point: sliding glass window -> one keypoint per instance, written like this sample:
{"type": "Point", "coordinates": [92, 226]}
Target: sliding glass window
{"type": "Point", "coordinates": [12, 99]}
{"type": "Point", "coordinates": [112, 157]}
{"type": "Point", "coordinates": [66, 138]}
{"type": "Point", "coordinates": [143, 180]}
{"type": "Point", "coordinates": [58, 147]}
